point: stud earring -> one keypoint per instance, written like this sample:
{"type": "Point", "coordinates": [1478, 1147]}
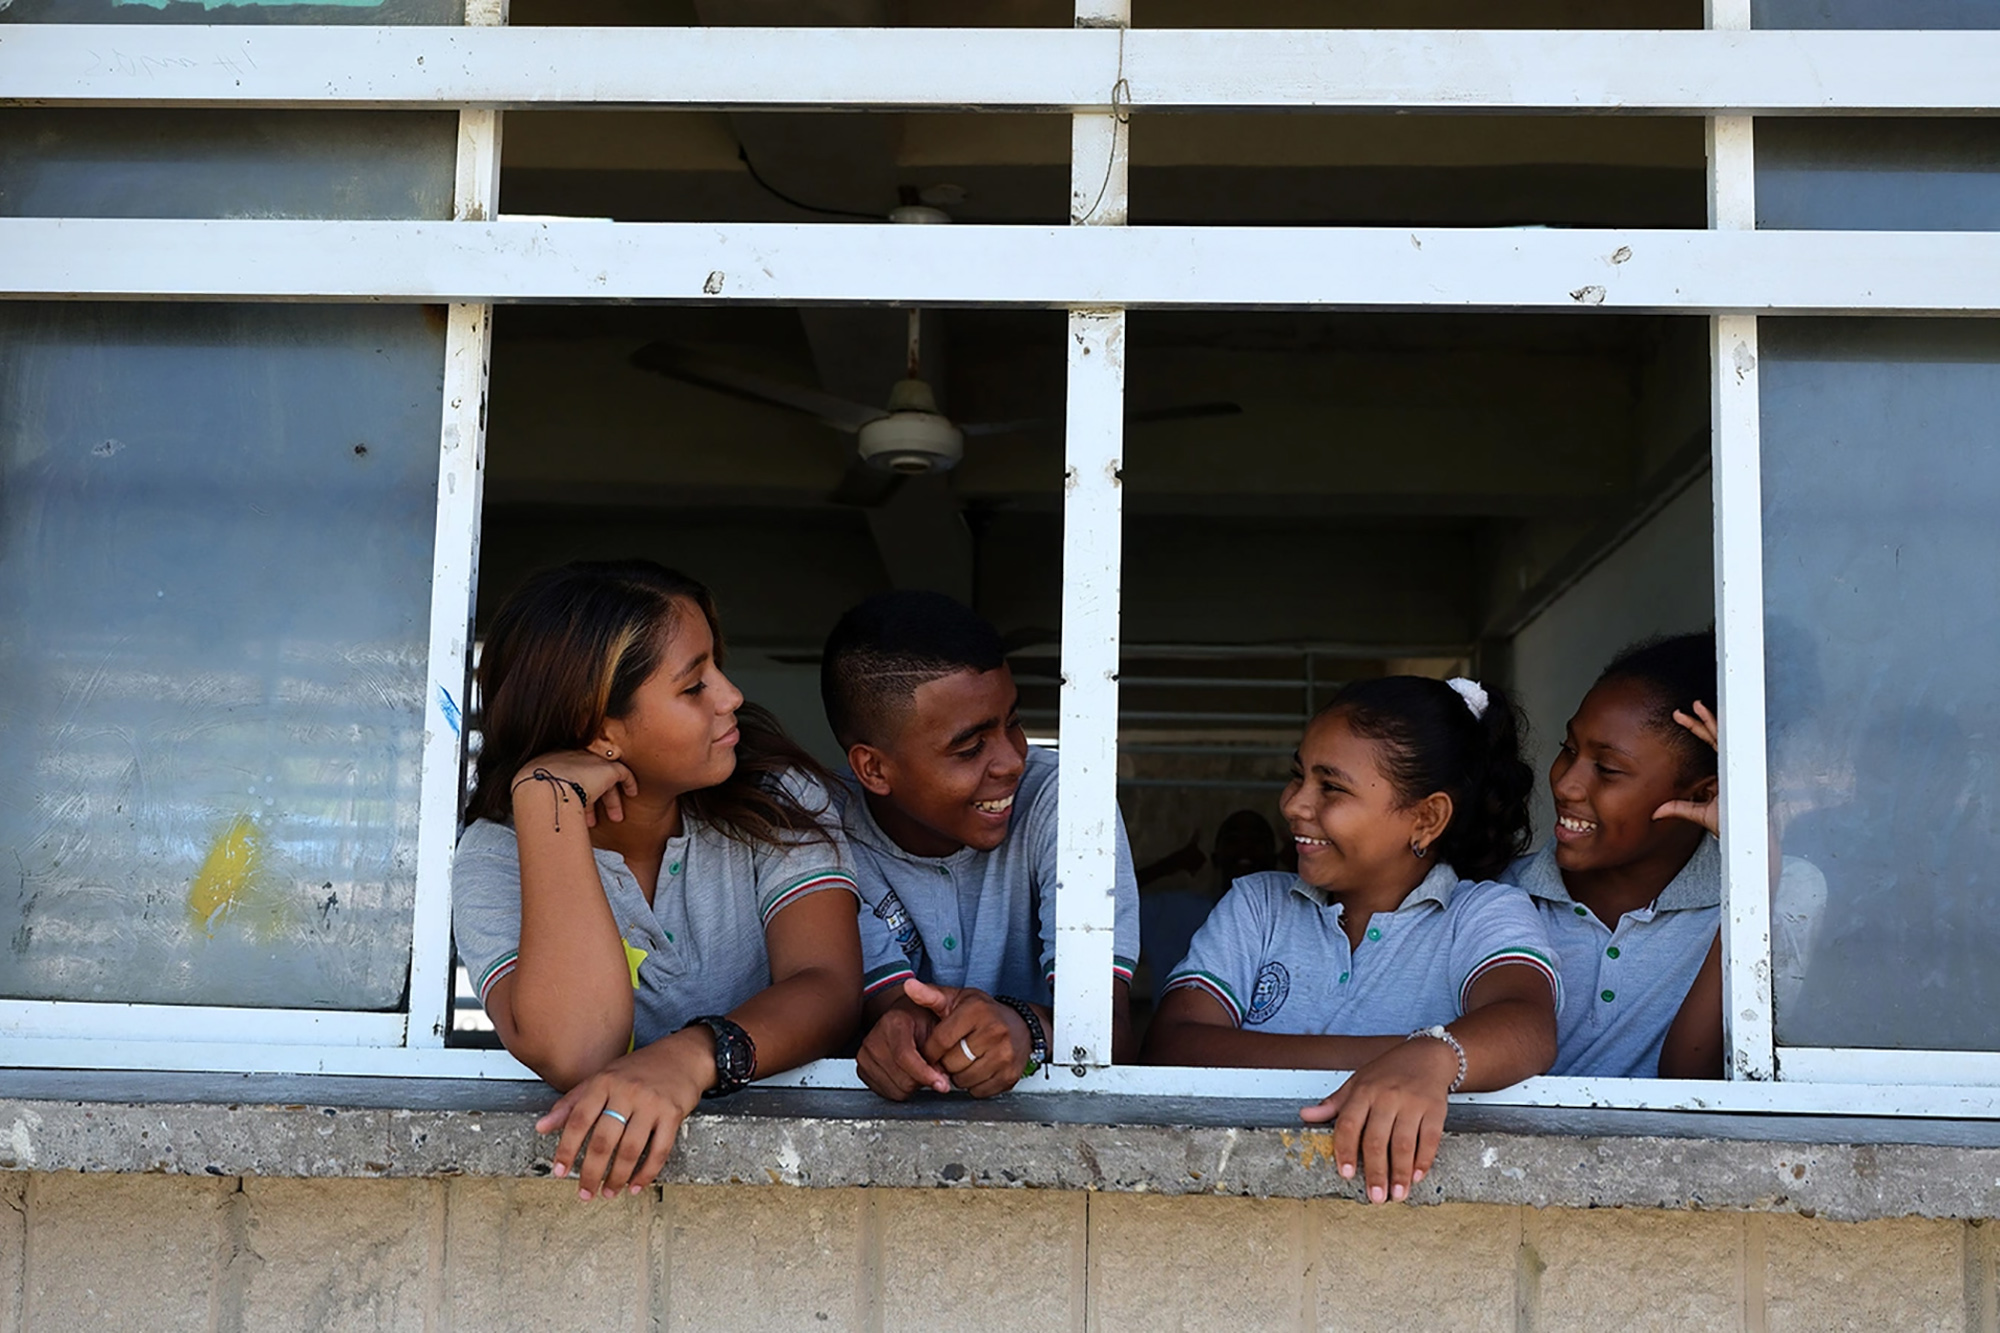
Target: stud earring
{"type": "Point", "coordinates": [610, 752]}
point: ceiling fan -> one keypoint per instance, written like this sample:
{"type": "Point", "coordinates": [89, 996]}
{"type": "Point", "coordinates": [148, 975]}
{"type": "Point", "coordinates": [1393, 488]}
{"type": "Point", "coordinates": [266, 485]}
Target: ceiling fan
{"type": "Point", "coordinates": [907, 437]}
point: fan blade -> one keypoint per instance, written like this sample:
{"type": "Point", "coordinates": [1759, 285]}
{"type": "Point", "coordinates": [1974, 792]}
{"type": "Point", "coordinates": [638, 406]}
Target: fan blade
{"type": "Point", "coordinates": [1183, 412]}
{"type": "Point", "coordinates": [1005, 427]}
{"type": "Point", "coordinates": [865, 486]}
{"type": "Point", "coordinates": [679, 364]}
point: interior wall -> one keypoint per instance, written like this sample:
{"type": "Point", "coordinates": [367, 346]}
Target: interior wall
{"type": "Point", "coordinates": [1659, 581]}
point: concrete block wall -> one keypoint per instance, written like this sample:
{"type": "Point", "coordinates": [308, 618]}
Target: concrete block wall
{"type": "Point", "coordinates": [223, 1255]}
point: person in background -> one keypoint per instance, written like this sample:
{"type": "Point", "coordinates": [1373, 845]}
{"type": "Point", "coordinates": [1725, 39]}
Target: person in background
{"type": "Point", "coordinates": [1169, 917]}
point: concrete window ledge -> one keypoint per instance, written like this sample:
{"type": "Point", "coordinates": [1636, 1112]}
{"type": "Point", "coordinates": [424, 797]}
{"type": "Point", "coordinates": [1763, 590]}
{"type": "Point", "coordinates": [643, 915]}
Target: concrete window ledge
{"type": "Point", "coordinates": [1841, 1169]}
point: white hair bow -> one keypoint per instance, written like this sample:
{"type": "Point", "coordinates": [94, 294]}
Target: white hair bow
{"type": "Point", "coordinates": [1472, 692]}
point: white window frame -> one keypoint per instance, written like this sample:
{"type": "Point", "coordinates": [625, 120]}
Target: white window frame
{"type": "Point", "coordinates": [1100, 72]}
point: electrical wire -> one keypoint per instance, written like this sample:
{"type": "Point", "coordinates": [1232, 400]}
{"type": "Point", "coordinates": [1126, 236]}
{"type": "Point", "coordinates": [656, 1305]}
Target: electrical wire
{"type": "Point", "coordinates": [743, 156]}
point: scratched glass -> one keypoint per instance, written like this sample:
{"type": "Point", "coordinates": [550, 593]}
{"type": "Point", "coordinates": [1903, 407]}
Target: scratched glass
{"type": "Point", "coordinates": [215, 553]}
{"type": "Point", "coordinates": [226, 164]}
{"type": "Point", "coordinates": [416, 13]}
{"type": "Point", "coordinates": [1881, 470]}
{"type": "Point", "coordinates": [1920, 14]}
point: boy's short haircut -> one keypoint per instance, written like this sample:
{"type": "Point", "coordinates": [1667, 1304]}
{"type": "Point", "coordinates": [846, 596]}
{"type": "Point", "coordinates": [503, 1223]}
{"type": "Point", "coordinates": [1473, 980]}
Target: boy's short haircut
{"type": "Point", "coordinates": [1676, 671]}
{"type": "Point", "coordinates": [890, 644]}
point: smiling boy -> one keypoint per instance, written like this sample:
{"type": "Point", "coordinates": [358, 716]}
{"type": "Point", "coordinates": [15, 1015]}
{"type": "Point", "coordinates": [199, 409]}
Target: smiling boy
{"type": "Point", "coordinates": [951, 817]}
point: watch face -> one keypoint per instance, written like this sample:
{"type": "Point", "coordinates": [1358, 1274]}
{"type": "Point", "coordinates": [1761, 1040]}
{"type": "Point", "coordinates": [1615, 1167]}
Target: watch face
{"type": "Point", "coordinates": [732, 1054]}
{"type": "Point", "coordinates": [735, 1056]}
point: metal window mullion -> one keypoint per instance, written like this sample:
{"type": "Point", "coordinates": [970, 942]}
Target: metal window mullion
{"type": "Point", "coordinates": [1739, 614]}
{"type": "Point", "coordinates": [1087, 801]}
{"type": "Point", "coordinates": [454, 583]}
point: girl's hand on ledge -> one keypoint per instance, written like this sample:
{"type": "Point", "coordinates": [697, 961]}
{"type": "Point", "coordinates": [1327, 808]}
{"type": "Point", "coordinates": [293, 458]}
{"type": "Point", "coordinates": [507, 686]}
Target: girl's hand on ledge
{"type": "Point", "coordinates": [631, 1110]}
{"type": "Point", "coordinates": [1389, 1116]}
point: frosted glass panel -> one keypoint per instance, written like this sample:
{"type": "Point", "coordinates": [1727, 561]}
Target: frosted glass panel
{"type": "Point", "coordinates": [1919, 14]}
{"type": "Point", "coordinates": [224, 164]}
{"type": "Point", "coordinates": [1879, 175]}
{"type": "Point", "coordinates": [1881, 447]}
{"type": "Point", "coordinates": [215, 555]}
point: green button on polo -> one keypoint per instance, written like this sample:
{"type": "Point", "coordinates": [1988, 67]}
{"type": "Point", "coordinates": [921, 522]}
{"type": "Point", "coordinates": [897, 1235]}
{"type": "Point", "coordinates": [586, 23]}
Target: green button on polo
{"type": "Point", "coordinates": [1343, 978]}
{"type": "Point", "coordinates": [1579, 910]}
{"type": "Point", "coordinates": [1608, 996]}
{"type": "Point", "coordinates": [943, 870]}
{"type": "Point", "coordinates": [1612, 952]}
{"type": "Point", "coordinates": [673, 867]}
{"type": "Point", "coordinates": [951, 941]}
{"type": "Point", "coordinates": [1374, 934]}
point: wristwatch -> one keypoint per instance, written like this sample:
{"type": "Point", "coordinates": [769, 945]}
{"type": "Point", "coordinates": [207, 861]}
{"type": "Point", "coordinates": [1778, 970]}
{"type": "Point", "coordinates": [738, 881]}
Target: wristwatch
{"type": "Point", "coordinates": [1038, 1037]}
{"type": "Point", "coordinates": [735, 1054]}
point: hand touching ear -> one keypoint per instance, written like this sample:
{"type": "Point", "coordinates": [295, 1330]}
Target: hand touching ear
{"type": "Point", "coordinates": [1706, 812]}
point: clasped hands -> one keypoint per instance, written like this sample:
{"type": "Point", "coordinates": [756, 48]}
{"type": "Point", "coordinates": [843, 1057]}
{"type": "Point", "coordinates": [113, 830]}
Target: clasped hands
{"type": "Point", "coordinates": [938, 1037]}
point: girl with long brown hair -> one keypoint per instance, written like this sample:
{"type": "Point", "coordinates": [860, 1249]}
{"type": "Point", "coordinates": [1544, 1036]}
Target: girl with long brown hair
{"type": "Point", "coordinates": [640, 892]}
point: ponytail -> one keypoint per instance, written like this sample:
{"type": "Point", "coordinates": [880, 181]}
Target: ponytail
{"type": "Point", "coordinates": [1438, 737]}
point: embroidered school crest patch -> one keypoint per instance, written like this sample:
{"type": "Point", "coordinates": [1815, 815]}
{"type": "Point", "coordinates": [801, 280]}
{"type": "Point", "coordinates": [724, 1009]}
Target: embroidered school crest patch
{"type": "Point", "coordinates": [1274, 983]}
{"type": "Point", "coordinates": [901, 928]}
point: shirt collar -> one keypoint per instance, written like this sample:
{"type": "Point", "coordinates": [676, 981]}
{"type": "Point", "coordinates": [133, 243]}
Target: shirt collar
{"type": "Point", "coordinates": [1699, 884]}
{"type": "Point", "coordinates": [858, 821]}
{"type": "Point", "coordinates": [1436, 887]}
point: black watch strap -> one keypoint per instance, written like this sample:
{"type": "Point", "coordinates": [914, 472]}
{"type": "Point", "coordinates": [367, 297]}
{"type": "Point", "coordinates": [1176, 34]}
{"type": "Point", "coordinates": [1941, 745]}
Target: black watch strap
{"type": "Point", "coordinates": [735, 1054]}
{"type": "Point", "coordinates": [1038, 1037]}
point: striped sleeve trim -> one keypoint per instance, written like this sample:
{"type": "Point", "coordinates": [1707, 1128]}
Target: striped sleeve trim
{"type": "Point", "coordinates": [502, 966]}
{"type": "Point", "coordinates": [885, 976]}
{"type": "Point", "coordinates": [1121, 970]}
{"type": "Point", "coordinates": [805, 886]}
{"type": "Point", "coordinates": [1209, 984]}
{"type": "Point", "coordinates": [1509, 958]}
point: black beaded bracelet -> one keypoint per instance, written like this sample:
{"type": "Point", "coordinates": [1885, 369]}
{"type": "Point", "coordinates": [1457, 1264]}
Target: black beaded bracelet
{"type": "Point", "coordinates": [1038, 1037]}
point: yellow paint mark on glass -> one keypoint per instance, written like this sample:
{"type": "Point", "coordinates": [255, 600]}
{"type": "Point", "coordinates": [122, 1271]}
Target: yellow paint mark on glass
{"type": "Point", "coordinates": [227, 875]}
{"type": "Point", "coordinates": [234, 885]}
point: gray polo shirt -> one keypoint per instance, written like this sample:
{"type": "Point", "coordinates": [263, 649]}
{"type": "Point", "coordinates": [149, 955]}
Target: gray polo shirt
{"type": "Point", "coordinates": [980, 919]}
{"type": "Point", "coordinates": [1624, 984]}
{"type": "Point", "coordinates": [1273, 955]}
{"type": "Point", "coordinates": [697, 948]}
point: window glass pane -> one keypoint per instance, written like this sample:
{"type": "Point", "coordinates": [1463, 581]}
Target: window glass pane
{"type": "Point", "coordinates": [1879, 175]}
{"type": "Point", "coordinates": [1919, 14]}
{"type": "Point", "coordinates": [215, 557]}
{"type": "Point", "coordinates": [1471, 170]}
{"type": "Point", "coordinates": [374, 12]}
{"type": "Point", "coordinates": [1881, 481]}
{"type": "Point", "coordinates": [223, 164]}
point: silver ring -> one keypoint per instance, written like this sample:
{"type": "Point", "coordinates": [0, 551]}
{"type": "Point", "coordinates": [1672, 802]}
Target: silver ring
{"type": "Point", "coordinates": [967, 1050]}
{"type": "Point", "coordinates": [615, 1115]}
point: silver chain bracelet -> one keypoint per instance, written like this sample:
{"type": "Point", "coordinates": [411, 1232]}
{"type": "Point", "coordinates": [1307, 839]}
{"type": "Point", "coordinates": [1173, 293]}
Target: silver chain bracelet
{"type": "Point", "coordinates": [1443, 1034]}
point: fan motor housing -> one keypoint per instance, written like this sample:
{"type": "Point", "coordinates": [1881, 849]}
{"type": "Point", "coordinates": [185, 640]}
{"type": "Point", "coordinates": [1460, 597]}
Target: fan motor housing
{"type": "Point", "coordinates": [912, 443]}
